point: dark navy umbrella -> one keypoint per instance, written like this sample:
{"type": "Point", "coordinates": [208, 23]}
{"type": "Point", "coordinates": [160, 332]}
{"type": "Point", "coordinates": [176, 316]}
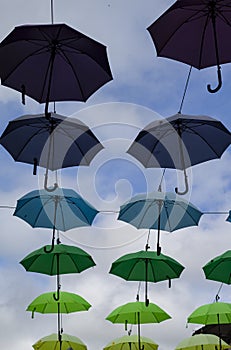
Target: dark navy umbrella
{"type": "Point", "coordinates": [53, 62]}
{"type": "Point", "coordinates": [62, 209]}
{"type": "Point", "coordinates": [53, 143]}
{"type": "Point", "coordinates": [195, 32]}
{"type": "Point", "coordinates": [179, 142]}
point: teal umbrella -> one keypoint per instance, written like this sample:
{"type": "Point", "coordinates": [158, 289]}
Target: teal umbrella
{"type": "Point", "coordinates": [61, 209]}
{"type": "Point", "coordinates": [165, 211]}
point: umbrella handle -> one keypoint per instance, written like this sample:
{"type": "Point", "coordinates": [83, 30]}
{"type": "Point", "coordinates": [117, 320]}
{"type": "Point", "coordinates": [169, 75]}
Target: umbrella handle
{"type": "Point", "coordinates": [219, 82]}
{"type": "Point", "coordinates": [186, 185]}
{"type": "Point", "coordinates": [49, 189]}
{"type": "Point", "coordinates": [56, 297]}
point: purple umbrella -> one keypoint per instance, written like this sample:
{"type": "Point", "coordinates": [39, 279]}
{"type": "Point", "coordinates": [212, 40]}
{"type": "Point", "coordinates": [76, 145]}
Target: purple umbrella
{"type": "Point", "coordinates": [195, 32]}
{"type": "Point", "coordinates": [53, 62]}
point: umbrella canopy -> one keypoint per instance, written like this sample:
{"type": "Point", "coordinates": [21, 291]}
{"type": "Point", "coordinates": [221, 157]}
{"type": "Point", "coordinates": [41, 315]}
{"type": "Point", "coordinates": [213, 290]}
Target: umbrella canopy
{"type": "Point", "coordinates": [146, 266]}
{"type": "Point", "coordinates": [159, 210]}
{"type": "Point", "coordinates": [180, 141]}
{"type": "Point", "coordinates": [137, 313]}
{"type": "Point", "coordinates": [68, 303]}
{"type": "Point", "coordinates": [202, 342]}
{"type": "Point", "coordinates": [61, 209]}
{"type": "Point", "coordinates": [64, 259]}
{"type": "Point", "coordinates": [214, 313]}
{"type": "Point", "coordinates": [195, 32]}
{"type": "Point", "coordinates": [39, 208]}
{"type": "Point", "coordinates": [219, 268]}
{"type": "Point", "coordinates": [131, 342]}
{"type": "Point", "coordinates": [53, 62]}
{"type": "Point", "coordinates": [221, 330]}
{"type": "Point", "coordinates": [51, 342]}
{"type": "Point", "coordinates": [229, 217]}
{"type": "Point", "coordinates": [53, 143]}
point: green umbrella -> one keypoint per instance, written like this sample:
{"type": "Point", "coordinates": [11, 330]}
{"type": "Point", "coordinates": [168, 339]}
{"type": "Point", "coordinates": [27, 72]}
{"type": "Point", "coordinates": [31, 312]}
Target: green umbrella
{"type": "Point", "coordinates": [219, 268]}
{"type": "Point", "coordinates": [62, 259]}
{"type": "Point", "coordinates": [68, 302]}
{"type": "Point", "coordinates": [131, 342]}
{"type": "Point", "coordinates": [136, 313]}
{"type": "Point", "coordinates": [202, 342]}
{"type": "Point", "coordinates": [215, 313]}
{"type": "Point", "coordinates": [146, 266]}
{"type": "Point", "coordinates": [51, 342]}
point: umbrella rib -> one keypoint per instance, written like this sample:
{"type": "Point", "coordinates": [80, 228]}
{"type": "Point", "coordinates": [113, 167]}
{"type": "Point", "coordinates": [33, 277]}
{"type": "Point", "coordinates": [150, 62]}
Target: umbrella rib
{"type": "Point", "coordinates": [81, 211]}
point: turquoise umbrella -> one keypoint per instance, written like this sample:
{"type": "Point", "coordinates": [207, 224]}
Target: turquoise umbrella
{"type": "Point", "coordinates": [61, 209]}
{"type": "Point", "coordinates": [165, 211]}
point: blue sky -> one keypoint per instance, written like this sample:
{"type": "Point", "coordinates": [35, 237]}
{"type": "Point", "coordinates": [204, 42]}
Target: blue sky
{"type": "Point", "coordinates": [144, 88]}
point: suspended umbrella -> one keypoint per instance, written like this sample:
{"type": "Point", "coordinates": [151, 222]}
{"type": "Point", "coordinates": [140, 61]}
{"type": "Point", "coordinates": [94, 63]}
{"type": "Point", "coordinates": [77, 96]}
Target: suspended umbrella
{"type": "Point", "coordinates": [215, 313]}
{"type": "Point", "coordinates": [67, 303]}
{"type": "Point", "coordinates": [202, 342]}
{"type": "Point", "coordinates": [131, 342]}
{"type": "Point", "coordinates": [137, 313]}
{"type": "Point", "coordinates": [195, 32]}
{"type": "Point", "coordinates": [229, 217]}
{"type": "Point", "coordinates": [146, 266]}
{"type": "Point", "coordinates": [62, 209]}
{"type": "Point", "coordinates": [222, 330]}
{"type": "Point", "coordinates": [54, 142]}
{"type": "Point", "coordinates": [63, 259]}
{"type": "Point", "coordinates": [219, 268]}
{"type": "Point", "coordinates": [51, 342]}
{"type": "Point", "coordinates": [53, 62]}
{"type": "Point", "coordinates": [179, 142]}
{"type": "Point", "coordinates": [159, 210]}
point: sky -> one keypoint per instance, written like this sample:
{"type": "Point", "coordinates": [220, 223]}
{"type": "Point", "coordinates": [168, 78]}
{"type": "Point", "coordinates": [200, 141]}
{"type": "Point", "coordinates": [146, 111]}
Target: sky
{"type": "Point", "coordinates": [144, 88]}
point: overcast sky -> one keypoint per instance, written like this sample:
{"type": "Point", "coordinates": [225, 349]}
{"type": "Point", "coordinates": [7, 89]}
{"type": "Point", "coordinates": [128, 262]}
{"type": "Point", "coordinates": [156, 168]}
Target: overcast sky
{"type": "Point", "coordinates": [144, 88]}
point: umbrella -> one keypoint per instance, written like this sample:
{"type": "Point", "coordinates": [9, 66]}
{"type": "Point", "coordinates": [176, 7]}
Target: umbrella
{"type": "Point", "coordinates": [179, 142]}
{"type": "Point", "coordinates": [53, 62]}
{"type": "Point", "coordinates": [215, 313]}
{"type": "Point", "coordinates": [51, 342]}
{"type": "Point", "coordinates": [159, 210]}
{"type": "Point", "coordinates": [221, 330]}
{"type": "Point", "coordinates": [62, 209]}
{"type": "Point", "coordinates": [202, 342]}
{"type": "Point", "coordinates": [63, 259]}
{"type": "Point", "coordinates": [219, 268]}
{"type": "Point", "coordinates": [131, 342]}
{"type": "Point", "coordinates": [229, 217]}
{"type": "Point", "coordinates": [146, 266]}
{"type": "Point", "coordinates": [137, 313]}
{"type": "Point", "coordinates": [67, 303]}
{"type": "Point", "coordinates": [195, 32]}
{"type": "Point", "coordinates": [53, 143]}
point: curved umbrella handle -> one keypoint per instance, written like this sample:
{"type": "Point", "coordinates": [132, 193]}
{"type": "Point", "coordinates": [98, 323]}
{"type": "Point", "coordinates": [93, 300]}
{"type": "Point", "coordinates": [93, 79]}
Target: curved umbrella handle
{"type": "Point", "coordinates": [58, 295]}
{"type": "Point", "coordinates": [219, 82]}
{"type": "Point", "coordinates": [186, 185]}
{"type": "Point", "coordinates": [46, 250]}
{"type": "Point", "coordinates": [49, 189]}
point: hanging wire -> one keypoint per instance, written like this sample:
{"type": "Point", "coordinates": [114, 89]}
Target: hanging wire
{"type": "Point", "coordinates": [185, 89]}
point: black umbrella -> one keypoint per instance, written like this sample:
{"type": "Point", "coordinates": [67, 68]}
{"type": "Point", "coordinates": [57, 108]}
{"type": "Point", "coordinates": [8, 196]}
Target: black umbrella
{"type": "Point", "coordinates": [53, 143]}
{"type": "Point", "coordinates": [179, 142]}
{"type": "Point", "coordinates": [53, 62]}
{"type": "Point", "coordinates": [195, 32]}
